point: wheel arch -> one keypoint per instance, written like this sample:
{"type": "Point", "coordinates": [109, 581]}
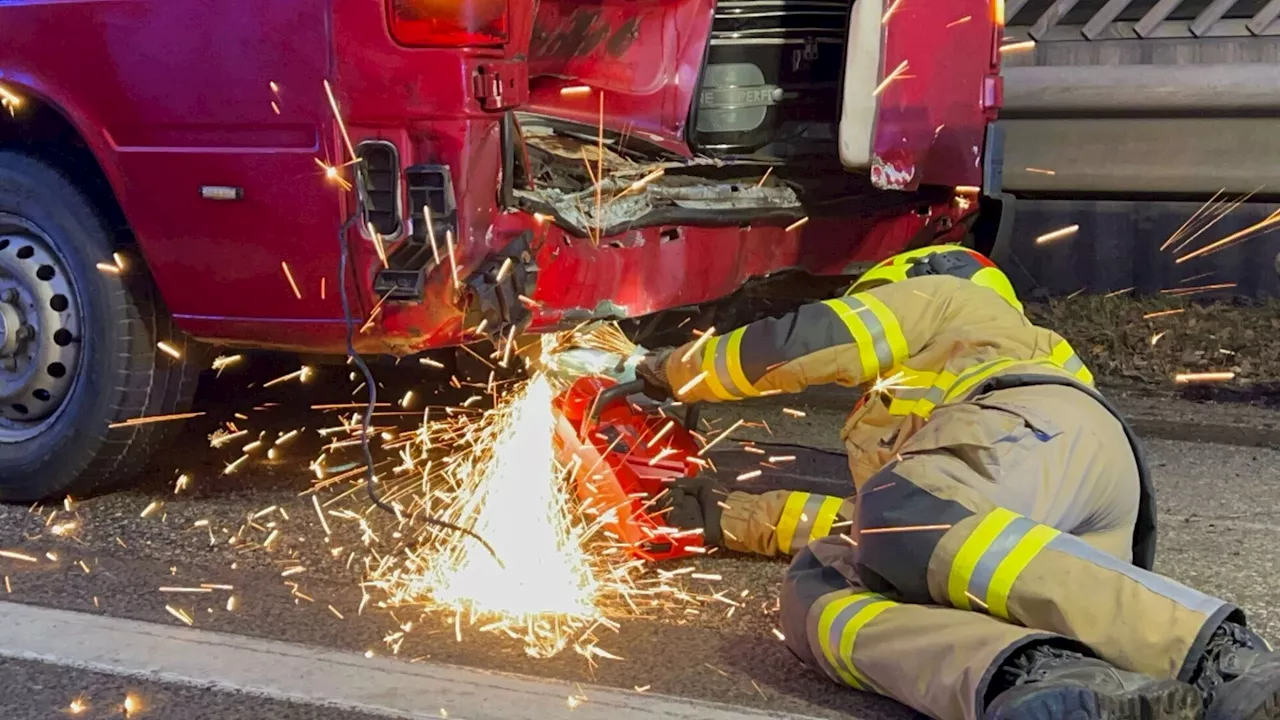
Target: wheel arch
{"type": "Point", "coordinates": [45, 129]}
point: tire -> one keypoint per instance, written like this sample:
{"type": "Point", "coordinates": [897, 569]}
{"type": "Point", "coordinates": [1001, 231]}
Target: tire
{"type": "Point", "coordinates": [112, 324]}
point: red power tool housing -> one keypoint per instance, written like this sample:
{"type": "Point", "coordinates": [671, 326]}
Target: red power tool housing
{"type": "Point", "coordinates": [625, 456]}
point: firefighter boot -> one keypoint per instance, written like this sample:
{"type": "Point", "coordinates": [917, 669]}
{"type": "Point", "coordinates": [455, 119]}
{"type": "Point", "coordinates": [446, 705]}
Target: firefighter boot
{"type": "Point", "coordinates": [1049, 683]}
{"type": "Point", "coordinates": [1239, 676]}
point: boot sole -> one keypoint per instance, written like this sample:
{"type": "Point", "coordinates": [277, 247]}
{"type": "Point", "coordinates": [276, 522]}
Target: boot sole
{"type": "Point", "coordinates": [1265, 703]}
{"type": "Point", "coordinates": [1166, 700]}
{"type": "Point", "coordinates": [1269, 710]}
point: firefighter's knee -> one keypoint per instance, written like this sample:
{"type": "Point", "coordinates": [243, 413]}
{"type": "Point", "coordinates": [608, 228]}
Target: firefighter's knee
{"type": "Point", "coordinates": [898, 527]}
{"type": "Point", "coordinates": [807, 580]}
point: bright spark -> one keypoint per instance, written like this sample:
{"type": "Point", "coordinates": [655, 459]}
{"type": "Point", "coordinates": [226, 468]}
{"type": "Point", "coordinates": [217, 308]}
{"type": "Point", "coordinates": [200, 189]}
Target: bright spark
{"type": "Point", "coordinates": [1058, 234]}
{"type": "Point", "coordinates": [10, 100]}
{"type": "Point", "coordinates": [13, 555]}
{"type": "Point", "coordinates": [289, 276]}
{"type": "Point", "coordinates": [897, 72]}
{"type": "Point", "coordinates": [1203, 377]}
{"type": "Point", "coordinates": [798, 224]}
{"type": "Point", "coordinates": [702, 340]}
{"type": "Point", "coordinates": [510, 492]}
{"type": "Point", "coordinates": [1018, 46]}
{"type": "Point", "coordinates": [889, 13]}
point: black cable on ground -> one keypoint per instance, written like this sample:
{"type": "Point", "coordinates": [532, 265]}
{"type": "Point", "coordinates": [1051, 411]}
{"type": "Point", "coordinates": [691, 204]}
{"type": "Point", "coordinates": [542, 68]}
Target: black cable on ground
{"type": "Point", "coordinates": [366, 422]}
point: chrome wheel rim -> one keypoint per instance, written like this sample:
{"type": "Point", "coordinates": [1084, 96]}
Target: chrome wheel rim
{"type": "Point", "coordinates": [41, 322]}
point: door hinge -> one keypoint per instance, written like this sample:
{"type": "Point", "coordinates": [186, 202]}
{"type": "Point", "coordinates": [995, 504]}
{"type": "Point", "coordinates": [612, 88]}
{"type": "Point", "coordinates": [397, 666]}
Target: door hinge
{"type": "Point", "coordinates": [500, 84]}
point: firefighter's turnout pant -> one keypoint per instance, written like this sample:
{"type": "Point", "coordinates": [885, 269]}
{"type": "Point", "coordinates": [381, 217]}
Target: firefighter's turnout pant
{"type": "Point", "coordinates": [1007, 520]}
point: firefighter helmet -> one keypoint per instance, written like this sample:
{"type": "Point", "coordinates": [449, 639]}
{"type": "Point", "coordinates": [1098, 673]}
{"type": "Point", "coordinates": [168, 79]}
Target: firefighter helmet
{"type": "Point", "coordinates": [940, 260]}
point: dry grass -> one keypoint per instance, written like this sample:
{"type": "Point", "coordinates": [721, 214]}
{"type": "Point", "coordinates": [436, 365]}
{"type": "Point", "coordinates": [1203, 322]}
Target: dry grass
{"type": "Point", "coordinates": [1113, 337]}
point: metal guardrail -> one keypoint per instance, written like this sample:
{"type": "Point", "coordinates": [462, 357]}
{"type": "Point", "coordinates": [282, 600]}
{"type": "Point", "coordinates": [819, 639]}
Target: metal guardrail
{"type": "Point", "coordinates": [1063, 20]}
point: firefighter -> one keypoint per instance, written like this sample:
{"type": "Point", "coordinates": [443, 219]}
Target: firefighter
{"type": "Point", "coordinates": [995, 560]}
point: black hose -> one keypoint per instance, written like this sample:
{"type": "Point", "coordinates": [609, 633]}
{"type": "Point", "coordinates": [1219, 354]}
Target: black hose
{"type": "Point", "coordinates": [366, 422]}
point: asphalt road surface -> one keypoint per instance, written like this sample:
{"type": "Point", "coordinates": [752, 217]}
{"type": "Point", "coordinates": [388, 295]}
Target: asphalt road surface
{"type": "Point", "coordinates": [265, 645]}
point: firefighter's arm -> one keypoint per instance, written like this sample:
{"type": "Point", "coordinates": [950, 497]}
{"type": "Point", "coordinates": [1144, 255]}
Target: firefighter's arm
{"type": "Point", "coordinates": [781, 521]}
{"type": "Point", "coordinates": [849, 341]}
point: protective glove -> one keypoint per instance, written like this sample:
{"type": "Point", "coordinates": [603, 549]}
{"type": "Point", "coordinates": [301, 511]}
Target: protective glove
{"type": "Point", "coordinates": [693, 503]}
{"type": "Point", "coordinates": [652, 370]}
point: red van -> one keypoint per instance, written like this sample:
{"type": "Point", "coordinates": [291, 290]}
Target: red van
{"type": "Point", "coordinates": [173, 173]}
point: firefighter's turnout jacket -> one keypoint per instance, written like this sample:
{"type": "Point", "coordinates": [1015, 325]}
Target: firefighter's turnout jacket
{"type": "Point", "coordinates": [990, 476]}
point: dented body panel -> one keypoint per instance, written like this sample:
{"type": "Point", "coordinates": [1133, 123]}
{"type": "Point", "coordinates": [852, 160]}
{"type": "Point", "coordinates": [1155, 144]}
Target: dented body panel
{"type": "Point", "coordinates": [645, 56]}
{"type": "Point", "coordinates": [921, 116]}
{"type": "Point", "coordinates": [170, 97]}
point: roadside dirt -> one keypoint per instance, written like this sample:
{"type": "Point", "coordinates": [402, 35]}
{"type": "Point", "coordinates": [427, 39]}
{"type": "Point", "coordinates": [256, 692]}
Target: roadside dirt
{"type": "Point", "coordinates": [1130, 345]}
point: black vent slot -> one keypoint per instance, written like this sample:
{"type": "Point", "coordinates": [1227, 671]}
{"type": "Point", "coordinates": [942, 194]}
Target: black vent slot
{"type": "Point", "coordinates": [430, 192]}
{"type": "Point", "coordinates": [381, 174]}
{"type": "Point", "coordinates": [431, 186]}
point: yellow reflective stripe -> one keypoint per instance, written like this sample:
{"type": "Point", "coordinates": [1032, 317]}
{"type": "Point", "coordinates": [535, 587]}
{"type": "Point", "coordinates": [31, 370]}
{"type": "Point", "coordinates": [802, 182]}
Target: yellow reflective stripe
{"type": "Point", "coordinates": [1062, 352]}
{"type": "Point", "coordinates": [892, 330]}
{"type": "Point", "coordinates": [913, 385]}
{"type": "Point", "coordinates": [826, 518]}
{"type": "Point", "coordinates": [862, 339]}
{"type": "Point", "coordinates": [734, 356]}
{"type": "Point", "coordinates": [902, 406]}
{"type": "Point", "coordinates": [925, 405]}
{"type": "Point", "coordinates": [1012, 566]}
{"type": "Point", "coordinates": [966, 560]}
{"type": "Point", "coordinates": [709, 367]}
{"type": "Point", "coordinates": [1064, 356]}
{"type": "Point", "coordinates": [790, 517]}
{"type": "Point", "coordinates": [829, 615]}
{"type": "Point", "coordinates": [864, 616]}
{"type": "Point", "coordinates": [1084, 376]}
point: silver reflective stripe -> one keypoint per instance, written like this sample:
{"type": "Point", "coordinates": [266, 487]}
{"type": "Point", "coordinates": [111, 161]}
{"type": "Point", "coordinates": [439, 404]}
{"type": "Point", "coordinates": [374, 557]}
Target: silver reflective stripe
{"type": "Point", "coordinates": [838, 627]}
{"type": "Point", "coordinates": [884, 351]}
{"type": "Point", "coordinates": [722, 369]}
{"type": "Point", "coordinates": [910, 393]}
{"type": "Point", "coordinates": [812, 620]}
{"type": "Point", "coordinates": [804, 526]}
{"type": "Point", "coordinates": [1073, 364]}
{"type": "Point", "coordinates": [1193, 600]}
{"type": "Point", "coordinates": [936, 395]}
{"type": "Point", "coordinates": [995, 554]}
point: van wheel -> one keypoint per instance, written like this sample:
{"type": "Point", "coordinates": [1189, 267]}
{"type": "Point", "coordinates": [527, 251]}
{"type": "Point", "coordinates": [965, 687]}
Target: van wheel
{"type": "Point", "coordinates": [78, 347]}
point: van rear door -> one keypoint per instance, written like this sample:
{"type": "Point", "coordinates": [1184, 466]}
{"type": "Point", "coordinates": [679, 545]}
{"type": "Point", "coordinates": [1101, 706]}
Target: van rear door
{"type": "Point", "coordinates": [921, 84]}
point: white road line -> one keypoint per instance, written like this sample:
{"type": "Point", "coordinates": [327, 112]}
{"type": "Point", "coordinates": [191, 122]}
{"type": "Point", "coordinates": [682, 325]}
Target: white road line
{"type": "Point", "coordinates": [316, 676]}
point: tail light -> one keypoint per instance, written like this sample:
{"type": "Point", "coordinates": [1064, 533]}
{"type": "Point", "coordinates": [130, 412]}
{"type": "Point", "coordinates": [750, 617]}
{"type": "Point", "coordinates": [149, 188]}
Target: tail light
{"type": "Point", "coordinates": [448, 23]}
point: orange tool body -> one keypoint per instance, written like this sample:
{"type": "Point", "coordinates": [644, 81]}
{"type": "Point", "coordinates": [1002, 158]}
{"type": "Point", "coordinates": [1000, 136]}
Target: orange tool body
{"type": "Point", "coordinates": [625, 456]}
